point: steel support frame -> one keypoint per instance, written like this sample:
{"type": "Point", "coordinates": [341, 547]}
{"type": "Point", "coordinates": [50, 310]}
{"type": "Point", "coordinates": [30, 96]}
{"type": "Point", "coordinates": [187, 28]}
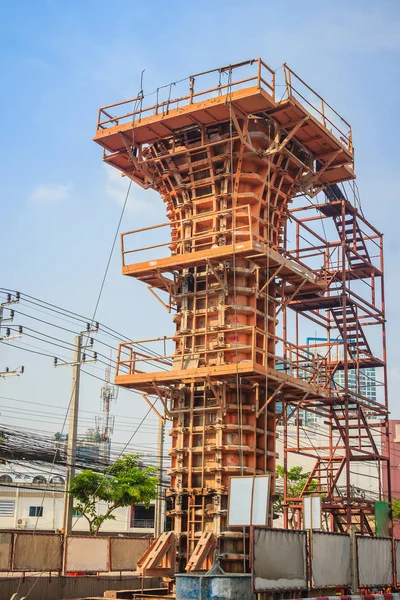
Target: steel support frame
{"type": "Point", "coordinates": [349, 322]}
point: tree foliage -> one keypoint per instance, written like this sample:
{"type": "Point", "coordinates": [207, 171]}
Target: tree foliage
{"type": "Point", "coordinates": [296, 480]}
{"type": "Point", "coordinates": [396, 510]}
{"type": "Point", "coordinates": [122, 484]}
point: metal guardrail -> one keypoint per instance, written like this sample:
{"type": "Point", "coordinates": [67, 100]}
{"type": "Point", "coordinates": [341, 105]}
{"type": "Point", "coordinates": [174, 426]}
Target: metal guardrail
{"type": "Point", "coordinates": [254, 72]}
{"type": "Point", "coordinates": [247, 341]}
{"type": "Point", "coordinates": [324, 112]}
{"type": "Point", "coordinates": [238, 228]}
{"type": "Point", "coordinates": [224, 81]}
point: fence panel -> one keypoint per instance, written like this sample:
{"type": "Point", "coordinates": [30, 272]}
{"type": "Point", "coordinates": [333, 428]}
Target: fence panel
{"type": "Point", "coordinates": [397, 554]}
{"type": "Point", "coordinates": [279, 559]}
{"type": "Point", "coordinates": [37, 552]}
{"type": "Point", "coordinates": [125, 552]}
{"type": "Point", "coordinates": [87, 554]}
{"type": "Point", "coordinates": [330, 559]}
{"type": "Point", "coordinates": [5, 551]}
{"type": "Point", "coordinates": [375, 561]}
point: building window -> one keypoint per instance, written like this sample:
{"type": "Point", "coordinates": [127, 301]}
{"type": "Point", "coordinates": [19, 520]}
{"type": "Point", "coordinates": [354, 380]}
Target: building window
{"type": "Point", "coordinates": [7, 508]}
{"type": "Point", "coordinates": [5, 479]}
{"type": "Point", "coordinates": [76, 514]}
{"type": "Point", "coordinates": [142, 517]}
{"type": "Point", "coordinates": [39, 479]}
{"type": "Point", "coordinates": [57, 479]}
{"type": "Point", "coordinates": [36, 511]}
{"type": "Point", "coordinates": [397, 438]}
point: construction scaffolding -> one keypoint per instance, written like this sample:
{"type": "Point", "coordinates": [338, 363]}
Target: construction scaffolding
{"type": "Point", "coordinates": [228, 158]}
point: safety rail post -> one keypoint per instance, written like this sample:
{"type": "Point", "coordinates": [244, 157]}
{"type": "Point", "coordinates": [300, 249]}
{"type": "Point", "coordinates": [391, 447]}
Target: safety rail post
{"type": "Point", "coordinates": [122, 248]}
{"type": "Point", "coordinates": [273, 84]}
{"type": "Point", "coordinates": [353, 559]}
{"type": "Point", "coordinates": [191, 89]}
{"type": "Point", "coordinates": [118, 359]}
{"type": "Point", "coordinates": [323, 112]}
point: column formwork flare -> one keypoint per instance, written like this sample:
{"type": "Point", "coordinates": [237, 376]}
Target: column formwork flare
{"type": "Point", "coordinates": [227, 160]}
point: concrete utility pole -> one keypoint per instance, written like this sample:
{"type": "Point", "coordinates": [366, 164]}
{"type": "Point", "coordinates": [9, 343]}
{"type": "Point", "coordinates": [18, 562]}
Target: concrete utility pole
{"type": "Point", "coordinates": [72, 434]}
{"type": "Point", "coordinates": [9, 333]}
{"type": "Point", "coordinates": [159, 514]}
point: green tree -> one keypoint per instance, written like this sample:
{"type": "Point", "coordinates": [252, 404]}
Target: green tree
{"type": "Point", "coordinates": [296, 480]}
{"type": "Point", "coordinates": [122, 484]}
{"type": "Point", "coordinates": [396, 510]}
{"type": "Point", "coordinates": [93, 435]}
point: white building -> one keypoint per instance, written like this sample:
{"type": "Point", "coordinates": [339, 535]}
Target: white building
{"type": "Point", "coordinates": [30, 500]}
{"type": "Point", "coordinates": [364, 474]}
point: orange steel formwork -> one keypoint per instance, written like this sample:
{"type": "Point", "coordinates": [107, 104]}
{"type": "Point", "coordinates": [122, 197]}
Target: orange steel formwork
{"type": "Point", "coordinates": [228, 157]}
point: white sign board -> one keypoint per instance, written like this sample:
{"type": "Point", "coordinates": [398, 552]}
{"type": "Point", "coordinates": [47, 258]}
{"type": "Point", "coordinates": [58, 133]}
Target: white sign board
{"type": "Point", "coordinates": [312, 512]}
{"type": "Point", "coordinates": [248, 501]}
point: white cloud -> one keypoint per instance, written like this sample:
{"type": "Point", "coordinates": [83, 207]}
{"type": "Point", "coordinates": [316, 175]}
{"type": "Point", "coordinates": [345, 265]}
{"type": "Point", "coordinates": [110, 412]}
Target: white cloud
{"type": "Point", "coordinates": [51, 193]}
{"type": "Point", "coordinates": [140, 201]}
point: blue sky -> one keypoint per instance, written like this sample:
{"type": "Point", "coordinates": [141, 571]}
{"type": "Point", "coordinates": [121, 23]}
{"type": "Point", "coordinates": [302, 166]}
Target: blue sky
{"type": "Point", "coordinates": [60, 61]}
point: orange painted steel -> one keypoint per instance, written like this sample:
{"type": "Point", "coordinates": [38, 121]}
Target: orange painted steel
{"type": "Point", "coordinates": [227, 159]}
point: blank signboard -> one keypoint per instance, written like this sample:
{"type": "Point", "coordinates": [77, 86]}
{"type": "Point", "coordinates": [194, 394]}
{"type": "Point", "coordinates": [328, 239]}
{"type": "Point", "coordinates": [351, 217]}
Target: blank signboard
{"type": "Point", "coordinates": [312, 512]}
{"type": "Point", "coordinates": [37, 552]}
{"type": "Point", "coordinates": [374, 561]}
{"type": "Point", "coordinates": [87, 554]}
{"type": "Point", "coordinates": [259, 514]}
{"type": "Point", "coordinates": [279, 560]}
{"type": "Point", "coordinates": [240, 496]}
{"type": "Point", "coordinates": [5, 551]}
{"type": "Point", "coordinates": [248, 501]}
{"type": "Point", "coordinates": [330, 559]}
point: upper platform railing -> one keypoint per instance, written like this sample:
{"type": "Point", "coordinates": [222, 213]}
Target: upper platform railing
{"type": "Point", "coordinates": [198, 87]}
{"type": "Point", "coordinates": [225, 81]}
{"type": "Point", "coordinates": [317, 107]}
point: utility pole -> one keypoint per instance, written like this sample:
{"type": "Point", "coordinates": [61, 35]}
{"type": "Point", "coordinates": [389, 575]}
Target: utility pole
{"type": "Point", "coordinates": [159, 513]}
{"type": "Point", "coordinates": [79, 358]}
{"type": "Point", "coordinates": [72, 434]}
{"type": "Point", "coordinates": [14, 373]}
{"type": "Point", "coordinates": [9, 334]}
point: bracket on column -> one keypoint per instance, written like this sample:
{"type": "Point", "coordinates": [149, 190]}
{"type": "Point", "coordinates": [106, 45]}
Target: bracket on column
{"type": "Point", "coordinates": [273, 276]}
{"type": "Point", "coordinates": [159, 560]}
{"type": "Point", "coordinates": [166, 306]}
{"type": "Point", "coordinates": [269, 400]}
{"type": "Point", "coordinates": [223, 285]}
{"type": "Point", "coordinates": [203, 554]}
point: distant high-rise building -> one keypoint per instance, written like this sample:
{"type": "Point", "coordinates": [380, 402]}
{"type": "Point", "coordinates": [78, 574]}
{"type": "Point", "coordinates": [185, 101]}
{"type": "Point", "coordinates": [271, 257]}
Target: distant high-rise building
{"type": "Point", "coordinates": [362, 383]}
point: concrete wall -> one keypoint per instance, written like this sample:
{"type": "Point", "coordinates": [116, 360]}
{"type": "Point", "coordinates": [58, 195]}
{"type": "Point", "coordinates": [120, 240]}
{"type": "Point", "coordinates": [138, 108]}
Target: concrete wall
{"type": "Point", "coordinates": [58, 588]}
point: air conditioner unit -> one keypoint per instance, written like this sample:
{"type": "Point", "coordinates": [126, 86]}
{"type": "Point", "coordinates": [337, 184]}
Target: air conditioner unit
{"type": "Point", "coordinates": [22, 523]}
